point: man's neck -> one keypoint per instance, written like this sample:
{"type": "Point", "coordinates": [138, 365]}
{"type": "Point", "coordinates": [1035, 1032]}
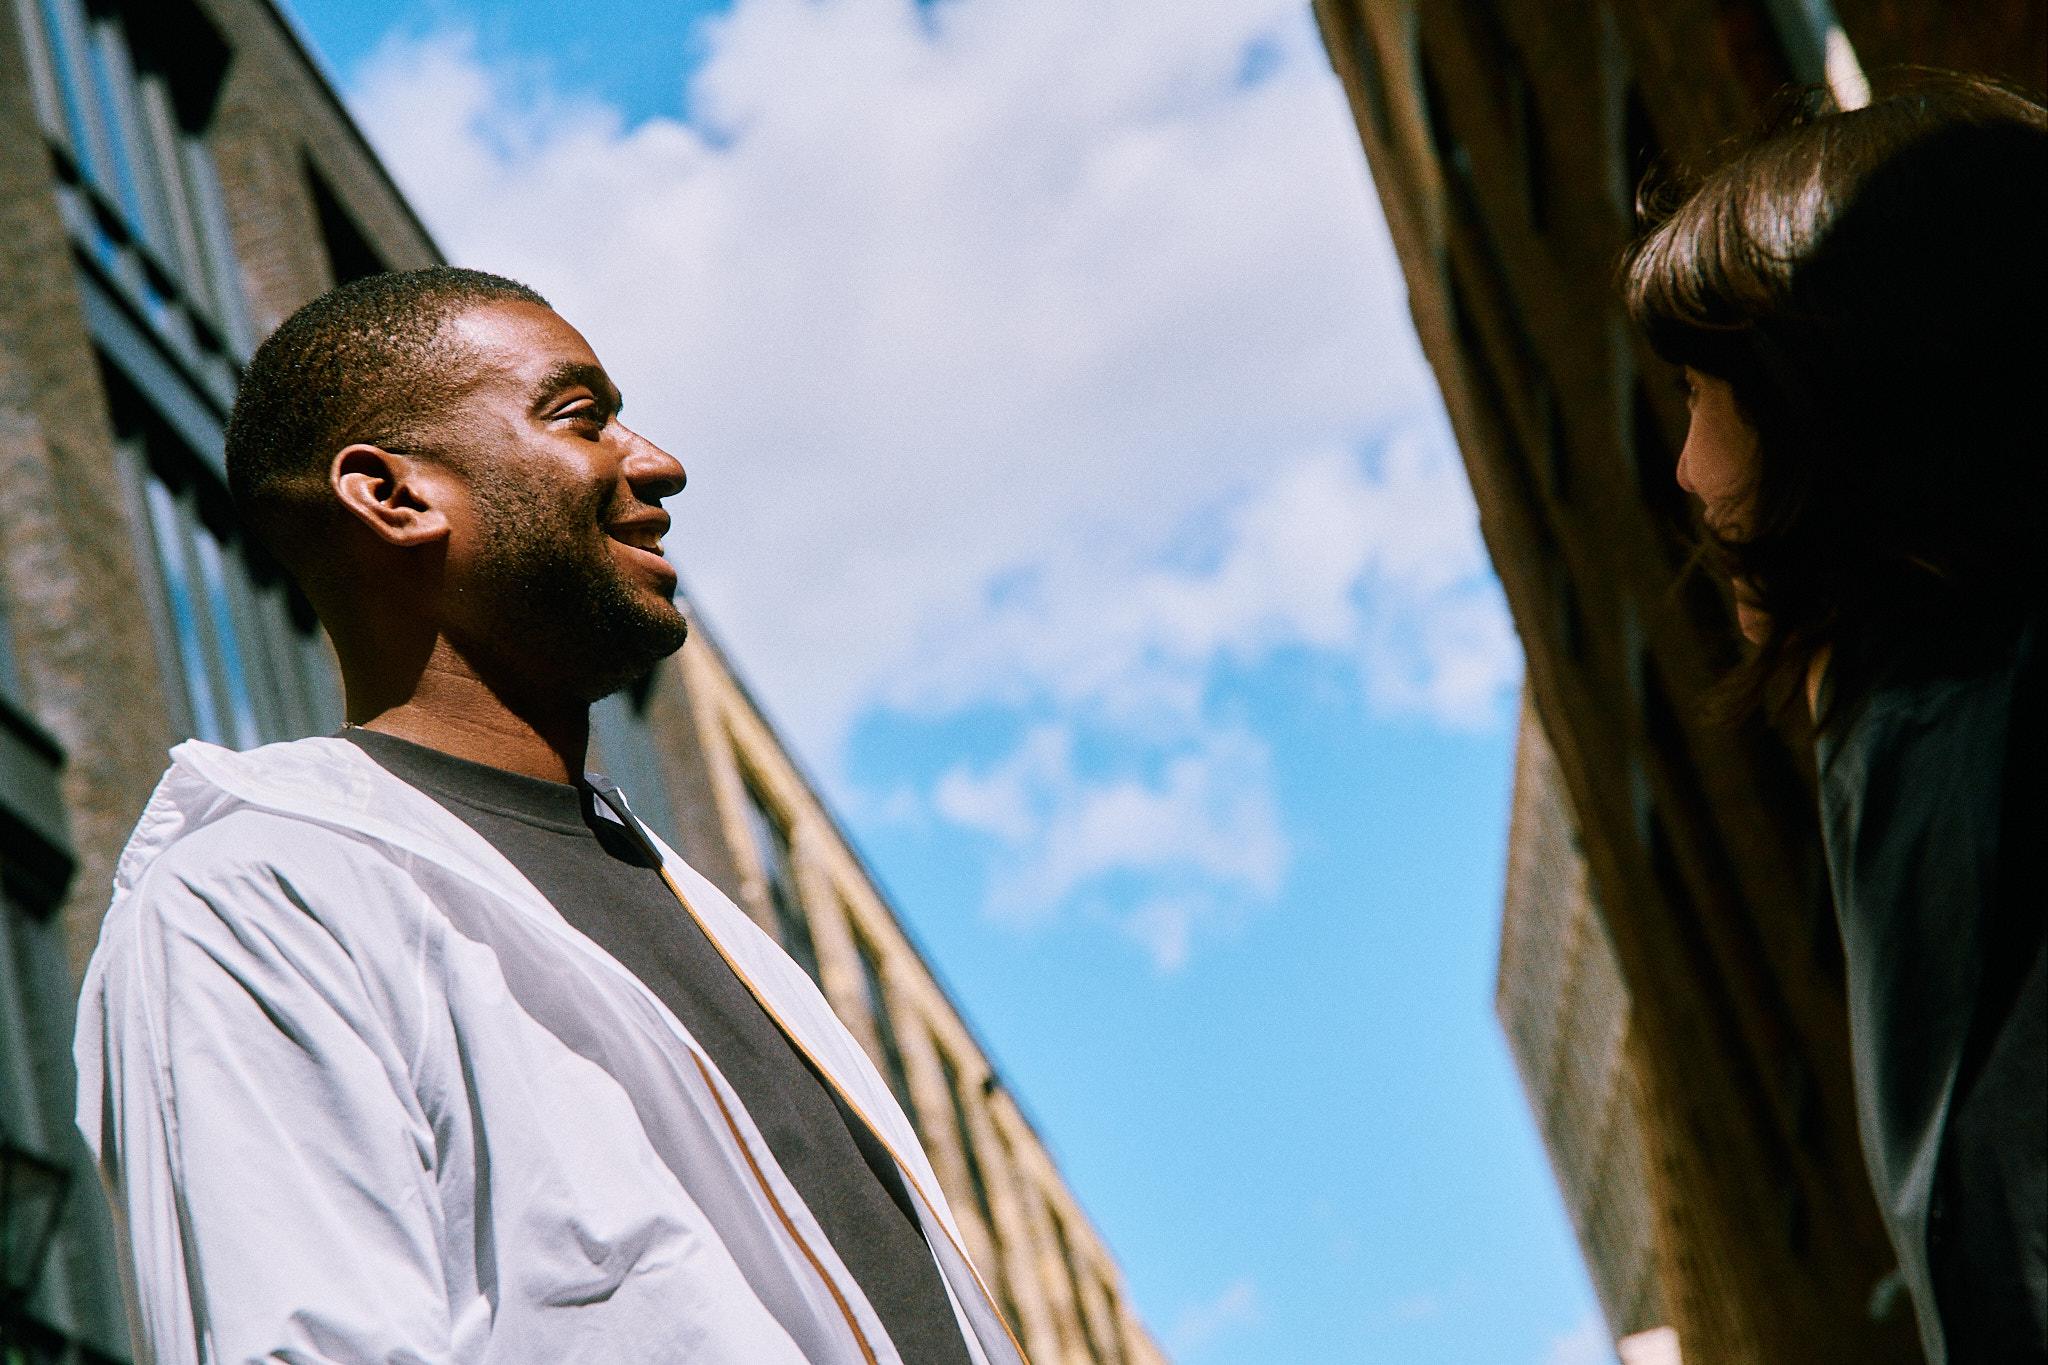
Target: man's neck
{"type": "Point", "coordinates": [450, 708]}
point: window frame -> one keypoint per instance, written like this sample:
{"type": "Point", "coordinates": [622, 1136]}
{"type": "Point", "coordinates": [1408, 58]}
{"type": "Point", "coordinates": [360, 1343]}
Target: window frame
{"type": "Point", "coordinates": [124, 123]}
{"type": "Point", "coordinates": [875, 980]}
{"type": "Point", "coordinates": [243, 658]}
{"type": "Point", "coordinates": [771, 842]}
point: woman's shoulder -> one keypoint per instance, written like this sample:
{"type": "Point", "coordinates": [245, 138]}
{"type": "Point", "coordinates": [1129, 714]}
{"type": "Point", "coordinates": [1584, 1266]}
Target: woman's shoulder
{"type": "Point", "coordinates": [1904, 742]}
{"type": "Point", "coordinates": [1938, 684]}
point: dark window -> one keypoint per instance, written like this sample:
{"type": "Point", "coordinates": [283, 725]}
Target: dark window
{"type": "Point", "coordinates": [1571, 617]}
{"type": "Point", "coordinates": [1372, 83]}
{"type": "Point", "coordinates": [34, 1020]}
{"type": "Point", "coordinates": [1755, 46]}
{"type": "Point", "coordinates": [1656, 462]}
{"type": "Point", "coordinates": [36, 870]}
{"type": "Point", "coordinates": [1670, 747]}
{"type": "Point", "coordinates": [1492, 283]}
{"type": "Point", "coordinates": [1557, 462]}
{"type": "Point", "coordinates": [1480, 372]}
{"type": "Point", "coordinates": [349, 253]}
{"type": "Point", "coordinates": [37, 1010]}
{"type": "Point", "coordinates": [1800, 1097]}
{"type": "Point", "coordinates": [1491, 46]}
{"type": "Point", "coordinates": [123, 98]}
{"type": "Point", "coordinates": [1526, 121]}
{"type": "Point", "coordinates": [977, 1179]}
{"type": "Point", "coordinates": [1450, 152]}
{"type": "Point", "coordinates": [1758, 1087]}
{"type": "Point", "coordinates": [1489, 396]}
{"type": "Point", "coordinates": [1002, 1284]}
{"type": "Point", "coordinates": [1661, 727]}
{"type": "Point", "coordinates": [778, 874]}
{"type": "Point", "coordinates": [1642, 154]}
{"type": "Point", "coordinates": [885, 1023]}
{"type": "Point", "coordinates": [243, 656]}
{"type": "Point", "coordinates": [1059, 1232]}
{"type": "Point", "coordinates": [1116, 1341]}
{"type": "Point", "coordinates": [1497, 55]}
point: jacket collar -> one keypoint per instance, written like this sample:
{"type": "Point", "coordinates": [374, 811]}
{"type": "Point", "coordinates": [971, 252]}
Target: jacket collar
{"type": "Point", "coordinates": [332, 782]}
{"type": "Point", "coordinates": [322, 779]}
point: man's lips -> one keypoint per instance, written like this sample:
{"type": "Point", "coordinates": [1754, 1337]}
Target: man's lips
{"type": "Point", "coordinates": [642, 533]}
{"type": "Point", "coordinates": [653, 559]}
{"type": "Point", "coordinates": [643, 537]}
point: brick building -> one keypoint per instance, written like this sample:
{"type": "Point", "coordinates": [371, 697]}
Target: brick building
{"type": "Point", "coordinates": [175, 178]}
{"type": "Point", "coordinates": [1566, 1010]}
{"type": "Point", "coordinates": [1670, 976]}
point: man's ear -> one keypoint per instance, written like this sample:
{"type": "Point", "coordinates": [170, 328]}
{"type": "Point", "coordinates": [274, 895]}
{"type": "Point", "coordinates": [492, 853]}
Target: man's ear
{"type": "Point", "coordinates": [400, 498]}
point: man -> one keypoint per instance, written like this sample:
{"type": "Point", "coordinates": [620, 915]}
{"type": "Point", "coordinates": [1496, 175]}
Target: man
{"type": "Point", "coordinates": [410, 1044]}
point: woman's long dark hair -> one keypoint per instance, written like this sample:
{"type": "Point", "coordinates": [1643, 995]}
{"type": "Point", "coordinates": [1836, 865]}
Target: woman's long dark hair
{"type": "Point", "coordinates": [1873, 287]}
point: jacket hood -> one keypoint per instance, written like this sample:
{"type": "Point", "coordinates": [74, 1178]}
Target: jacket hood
{"type": "Point", "coordinates": [321, 778]}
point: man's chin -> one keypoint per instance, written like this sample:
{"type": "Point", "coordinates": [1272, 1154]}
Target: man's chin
{"type": "Point", "coordinates": [628, 666]}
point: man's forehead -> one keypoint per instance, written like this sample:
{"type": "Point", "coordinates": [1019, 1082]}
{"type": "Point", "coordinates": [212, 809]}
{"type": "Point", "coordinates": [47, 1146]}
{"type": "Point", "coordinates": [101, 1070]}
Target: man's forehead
{"type": "Point", "coordinates": [521, 342]}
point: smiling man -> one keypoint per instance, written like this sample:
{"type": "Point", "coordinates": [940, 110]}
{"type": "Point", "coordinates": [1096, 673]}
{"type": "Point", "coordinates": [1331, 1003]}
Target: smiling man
{"type": "Point", "coordinates": [410, 1043]}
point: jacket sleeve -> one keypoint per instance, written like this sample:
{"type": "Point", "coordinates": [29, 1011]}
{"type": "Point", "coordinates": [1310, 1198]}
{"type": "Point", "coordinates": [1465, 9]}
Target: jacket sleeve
{"type": "Point", "coordinates": [244, 1081]}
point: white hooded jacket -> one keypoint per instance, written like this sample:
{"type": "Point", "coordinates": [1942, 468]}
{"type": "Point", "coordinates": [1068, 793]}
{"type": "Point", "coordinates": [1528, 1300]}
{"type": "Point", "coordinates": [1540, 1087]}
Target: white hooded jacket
{"type": "Point", "coordinates": [360, 1094]}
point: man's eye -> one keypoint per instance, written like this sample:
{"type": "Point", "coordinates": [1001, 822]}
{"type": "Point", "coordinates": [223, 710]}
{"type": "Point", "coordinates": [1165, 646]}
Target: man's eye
{"type": "Point", "coordinates": [590, 412]}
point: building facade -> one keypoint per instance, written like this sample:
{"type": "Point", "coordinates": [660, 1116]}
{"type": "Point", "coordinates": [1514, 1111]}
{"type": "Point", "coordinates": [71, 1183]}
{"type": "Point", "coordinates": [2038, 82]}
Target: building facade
{"type": "Point", "coordinates": [1686, 983]}
{"type": "Point", "coordinates": [1565, 1008]}
{"type": "Point", "coordinates": [175, 178]}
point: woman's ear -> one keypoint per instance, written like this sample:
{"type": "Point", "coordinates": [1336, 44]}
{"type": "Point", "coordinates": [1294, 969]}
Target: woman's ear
{"type": "Point", "coordinates": [401, 499]}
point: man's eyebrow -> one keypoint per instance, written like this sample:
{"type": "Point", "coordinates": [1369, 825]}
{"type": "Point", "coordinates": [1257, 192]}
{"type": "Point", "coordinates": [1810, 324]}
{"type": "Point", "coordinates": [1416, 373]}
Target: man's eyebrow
{"type": "Point", "coordinates": [571, 373]}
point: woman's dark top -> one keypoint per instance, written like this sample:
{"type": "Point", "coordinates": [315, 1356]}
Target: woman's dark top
{"type": "Point", "coordinates": [1936, 835]}
{"type": "Point", "coordinates": [576, 848]}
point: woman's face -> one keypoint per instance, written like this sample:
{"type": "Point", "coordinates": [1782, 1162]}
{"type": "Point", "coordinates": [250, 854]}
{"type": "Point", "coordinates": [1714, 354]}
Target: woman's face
{"type": "Point", "coordinates": [1719, 467]}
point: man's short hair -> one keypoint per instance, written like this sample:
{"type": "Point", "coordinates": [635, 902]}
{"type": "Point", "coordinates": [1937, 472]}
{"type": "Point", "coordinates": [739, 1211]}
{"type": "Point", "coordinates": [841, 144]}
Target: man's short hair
{"type": "Point", "coordinates": [364, 362]}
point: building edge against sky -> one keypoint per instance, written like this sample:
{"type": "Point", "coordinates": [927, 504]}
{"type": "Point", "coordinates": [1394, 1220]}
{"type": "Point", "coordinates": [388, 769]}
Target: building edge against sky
{"type": "Point", "coordinates": [1670, 980]}
{"type": "Point", "coordinates": [175, 178]}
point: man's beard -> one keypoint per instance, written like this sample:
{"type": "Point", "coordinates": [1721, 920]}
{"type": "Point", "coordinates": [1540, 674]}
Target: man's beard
{"type": "Point", "coordinates": [567, 618]}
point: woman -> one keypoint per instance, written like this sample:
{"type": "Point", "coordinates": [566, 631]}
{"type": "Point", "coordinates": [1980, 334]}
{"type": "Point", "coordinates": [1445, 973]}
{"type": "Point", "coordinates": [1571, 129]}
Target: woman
{"type": "Point", "coordinates": [1859, 303]}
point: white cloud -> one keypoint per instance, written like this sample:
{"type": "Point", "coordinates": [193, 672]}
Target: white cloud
{"type": "Point", "coordinates": [1585, 1344]}
{"type": "Point", "coordinates": [1164, 927]}
{"type": "Point", "coordinates": [1044, 355]}
{"type": "Point", "coordinates": [1381, 566]}
{"type": "Point", "coordinates": [1419, 1308]}
{"type": "Point", "coordinates": [1199, 1325]}
{"type": "Point", "coordinates": [1200, 830]}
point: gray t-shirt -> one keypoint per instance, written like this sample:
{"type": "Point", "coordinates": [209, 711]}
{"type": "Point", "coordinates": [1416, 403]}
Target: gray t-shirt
{"type": "Point", "coordinates": [603, 880]}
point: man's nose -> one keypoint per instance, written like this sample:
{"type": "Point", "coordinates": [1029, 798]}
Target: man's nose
{"type": "Point", "coordinates": [654, 473]}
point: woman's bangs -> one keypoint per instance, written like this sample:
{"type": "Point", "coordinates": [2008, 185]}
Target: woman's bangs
{"type": "Point", "coordinates": [1683, 287]}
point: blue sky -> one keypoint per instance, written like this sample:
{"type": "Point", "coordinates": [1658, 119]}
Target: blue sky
{"type": "Point", "coordinates": [1066, 480]}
